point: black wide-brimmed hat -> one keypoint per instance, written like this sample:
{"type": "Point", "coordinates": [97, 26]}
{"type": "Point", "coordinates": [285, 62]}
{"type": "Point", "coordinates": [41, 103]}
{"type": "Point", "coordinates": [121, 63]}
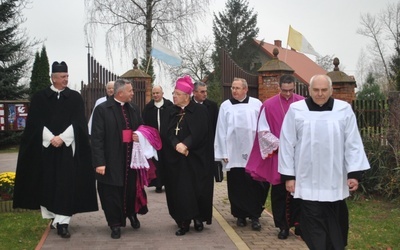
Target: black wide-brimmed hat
{"type": "Point", "coordinates": [59, 67]}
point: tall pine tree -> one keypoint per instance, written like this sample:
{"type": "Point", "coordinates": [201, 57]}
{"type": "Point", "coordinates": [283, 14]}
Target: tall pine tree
{"type": "Point", "coordinates": [40, 78]}
{"type": "Point", "coordinates": [234, 30]}
{"type": "Point", "coordinates": [370, 90]}
{"type": "Point", "coordinates": [11, 44]}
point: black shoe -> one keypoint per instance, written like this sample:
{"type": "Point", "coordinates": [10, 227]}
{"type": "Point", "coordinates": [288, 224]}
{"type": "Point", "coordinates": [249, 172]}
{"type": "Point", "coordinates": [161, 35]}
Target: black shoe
{"type": "Point", "coordinates": [198, 225]}
{"type": "Point", "coordinates": [255, 225]}
{"type": "Point", "coordinates": [241, 222]}
{"type": "Point", "coordinates": [135, 223]}
{"type": "Point", "coordinates": [158, 189]}
{"type": "Point", "coordinates": [283, 234]}
{"type": "Point", "coordinates": [181, 231]}
{"type": "Point", "coordinates": [62, 230]}
{"type": "Point", "coordinates": [115, 232]}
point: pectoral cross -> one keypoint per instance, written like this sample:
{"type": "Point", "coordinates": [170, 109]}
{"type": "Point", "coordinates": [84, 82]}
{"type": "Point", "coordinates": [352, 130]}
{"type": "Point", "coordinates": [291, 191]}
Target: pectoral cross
{"type": "Point", "coordinates": [179, 123]}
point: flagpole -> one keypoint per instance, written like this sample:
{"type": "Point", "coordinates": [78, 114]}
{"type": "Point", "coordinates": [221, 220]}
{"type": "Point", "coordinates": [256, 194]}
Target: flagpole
{"type": "Point", "coordinates": [287, 41]}
{"type": "Point", "coordinates": [148, 64]}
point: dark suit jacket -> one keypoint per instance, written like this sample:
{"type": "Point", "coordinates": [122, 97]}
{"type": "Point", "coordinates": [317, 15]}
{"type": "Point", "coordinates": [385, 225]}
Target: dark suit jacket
{"type": "Point", "coordinates": [107, 145]}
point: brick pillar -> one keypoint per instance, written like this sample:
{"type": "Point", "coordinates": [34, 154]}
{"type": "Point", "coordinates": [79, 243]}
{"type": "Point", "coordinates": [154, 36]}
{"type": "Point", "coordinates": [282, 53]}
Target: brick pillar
{"type": "Point", "coordinates": [343, 85]}
{"type": "Point", "coordinates": [269, 75]}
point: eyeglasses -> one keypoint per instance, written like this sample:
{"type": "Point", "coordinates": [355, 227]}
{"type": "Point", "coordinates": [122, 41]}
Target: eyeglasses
{"type": "Point", "coordinates": [178, 94]}
{"type": "Point", "coordinates": [202, 91]}
{"type": "Point", "coordinates": [236, 88]}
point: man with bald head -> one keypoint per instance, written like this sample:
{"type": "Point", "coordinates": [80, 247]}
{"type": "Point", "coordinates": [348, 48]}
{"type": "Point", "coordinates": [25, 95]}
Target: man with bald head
{"type": "Point", "coordinates": [153, 113]}
{"type": "Point", "coordinates": [321, 158]}
{"type": "Point", "coordinates": [110, 92]}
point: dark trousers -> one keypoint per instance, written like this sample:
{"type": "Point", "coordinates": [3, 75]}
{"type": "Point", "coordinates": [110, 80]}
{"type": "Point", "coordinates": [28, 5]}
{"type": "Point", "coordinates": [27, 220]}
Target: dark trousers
{"type": "Point", "coordinates": [111, 198]}
{"type": "Point", "coordinates": [285, 209]}
{"type": "Point", "coordinates": [118, 202]}
{"type": "Point", "coordinates": [247, 196]}
{"type": "Point", "coordinates": [324, 225]}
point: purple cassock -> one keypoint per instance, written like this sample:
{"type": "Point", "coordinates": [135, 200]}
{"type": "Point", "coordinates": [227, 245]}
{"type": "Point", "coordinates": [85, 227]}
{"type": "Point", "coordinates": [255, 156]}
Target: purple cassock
{"type": "Point", "coordinates": [263, 161]}
{"type": "Point", "coordinates": [142, 154]}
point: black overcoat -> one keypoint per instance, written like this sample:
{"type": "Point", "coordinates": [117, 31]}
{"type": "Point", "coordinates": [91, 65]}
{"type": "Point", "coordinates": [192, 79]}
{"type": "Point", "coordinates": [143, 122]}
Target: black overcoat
{"type": "Point", "coordinates": [55, 178]}
{"type": "Point", "coordinates": [149, 115]}
{"type": "Point", "coordinates": [107, 146]}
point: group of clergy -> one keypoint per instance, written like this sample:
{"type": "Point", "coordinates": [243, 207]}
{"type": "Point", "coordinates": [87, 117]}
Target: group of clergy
{"type": "Point", "coordinates": [309, 151]}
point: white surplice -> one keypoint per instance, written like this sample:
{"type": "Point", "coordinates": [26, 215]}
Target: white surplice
{"type": "Point", "coordinates": [235, 132]}
{"type": "Point", "coordinates": [320, 149]}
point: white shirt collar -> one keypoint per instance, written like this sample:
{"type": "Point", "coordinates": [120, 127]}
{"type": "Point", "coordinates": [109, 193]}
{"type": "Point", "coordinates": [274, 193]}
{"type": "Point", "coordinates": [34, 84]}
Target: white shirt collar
{"type": "Point", "coordinates": [122, 103]}
{"type": "Point", "coordinates": [159, 104]}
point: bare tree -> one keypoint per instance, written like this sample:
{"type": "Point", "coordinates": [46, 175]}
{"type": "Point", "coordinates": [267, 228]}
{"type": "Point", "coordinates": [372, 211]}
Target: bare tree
{"type": "Point", "coordinates": [390, 19]}
{"type": "Point", "coordinates": [197, 61]}
{"type": "Point", "coordinates": [384, 31]}
{"type": "Point", "coordinates": [131, 25]}
{"type": "Point", "coordinates": [326, 62]}
{"type": "Point", "coordinates": [372, 28]}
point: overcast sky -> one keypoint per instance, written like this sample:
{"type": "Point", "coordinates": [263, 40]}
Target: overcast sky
{"type": "Point", "coordinates": [329, 26]}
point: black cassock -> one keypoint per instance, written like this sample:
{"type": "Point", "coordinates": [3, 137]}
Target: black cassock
{"type": "Point", "coordinates": [188, 179]}
{"type": "Point", "coordinates": [53, 177]}
{"type": "Point", "coordinates": [149, 115]}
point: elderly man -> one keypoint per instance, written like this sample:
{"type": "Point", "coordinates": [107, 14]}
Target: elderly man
{"type": "Point", "coordinates": [112, 139]}
{"type": "Point", "coordinates": [236, 129]}
{"type": "Point", "coordinates": [188, 182]}
{"type": "Point", "coordinates": [263, 162]}
{"type": "Point", "coordinates": [109, 92]}
{"type": "Point", "coordinates": [153, 114]}
{"type": "Point", "coordinates": [54, 170]}
{"type": "Point", "coordinates": [322, 158]}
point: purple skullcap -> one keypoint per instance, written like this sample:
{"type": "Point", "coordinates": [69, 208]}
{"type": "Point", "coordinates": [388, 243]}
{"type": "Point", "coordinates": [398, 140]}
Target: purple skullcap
{"type": "Point", "coordinates": [185, 84]}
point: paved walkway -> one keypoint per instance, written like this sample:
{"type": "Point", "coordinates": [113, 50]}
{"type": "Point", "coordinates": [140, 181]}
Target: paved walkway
{"type": "Point", "coordinates": [90, 231]}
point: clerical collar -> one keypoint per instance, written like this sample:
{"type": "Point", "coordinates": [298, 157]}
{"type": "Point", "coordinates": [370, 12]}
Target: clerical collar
{"type": "Point", "coordinates": [312, 106]}
{"type": "Point", "coordinates": [159, 104]}
{"type": "Point", "coordinates": [234, 101]}
{"type": "Point", "coordinates": [196, 101]}
{"type": "Point", "coordinates": [122, 103]}
{"type": "Point", "coordinates": [55, 89]}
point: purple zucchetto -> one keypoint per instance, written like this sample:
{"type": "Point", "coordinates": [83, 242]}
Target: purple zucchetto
{"type": "Point", "coordinates": [57, 67]}
{"type": "Point", "coordinates": [185, 84]}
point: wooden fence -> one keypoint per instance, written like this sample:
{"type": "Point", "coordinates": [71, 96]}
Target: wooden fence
{"type": "Point", "coordinates": [372, 116]}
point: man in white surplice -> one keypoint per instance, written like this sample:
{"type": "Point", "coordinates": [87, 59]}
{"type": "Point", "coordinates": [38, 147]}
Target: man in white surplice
{"type": "Point", "coordinates": [236, 129]}
{"type": "Point", "coordinates": [322, 158]}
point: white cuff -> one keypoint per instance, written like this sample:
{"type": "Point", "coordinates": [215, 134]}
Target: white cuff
{"type": "Point", "coordinates": [46, 137]}
{"type": "Point", "coordinates": [68, 136]}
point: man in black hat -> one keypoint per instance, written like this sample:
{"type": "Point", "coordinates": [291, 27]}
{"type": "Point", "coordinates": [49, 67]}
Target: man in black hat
{"type": "Point", "coordinates": [54, 170]}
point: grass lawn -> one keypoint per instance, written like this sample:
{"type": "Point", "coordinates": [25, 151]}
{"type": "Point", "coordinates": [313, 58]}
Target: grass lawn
{"type": "Point", "coordinates": [374, 224]}
{"type": "Point", "coordinates": [21, 230]}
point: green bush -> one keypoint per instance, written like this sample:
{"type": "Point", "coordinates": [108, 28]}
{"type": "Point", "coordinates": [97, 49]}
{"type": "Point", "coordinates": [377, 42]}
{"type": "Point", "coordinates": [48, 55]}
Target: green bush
{"type": "Point", "coordinates": [383, 179]}
{"type": "Point", "coordinates": [10, 138]}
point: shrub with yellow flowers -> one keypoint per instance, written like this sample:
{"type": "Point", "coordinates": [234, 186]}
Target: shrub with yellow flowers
{"type": "Point", "coordinates": [7, 180]}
